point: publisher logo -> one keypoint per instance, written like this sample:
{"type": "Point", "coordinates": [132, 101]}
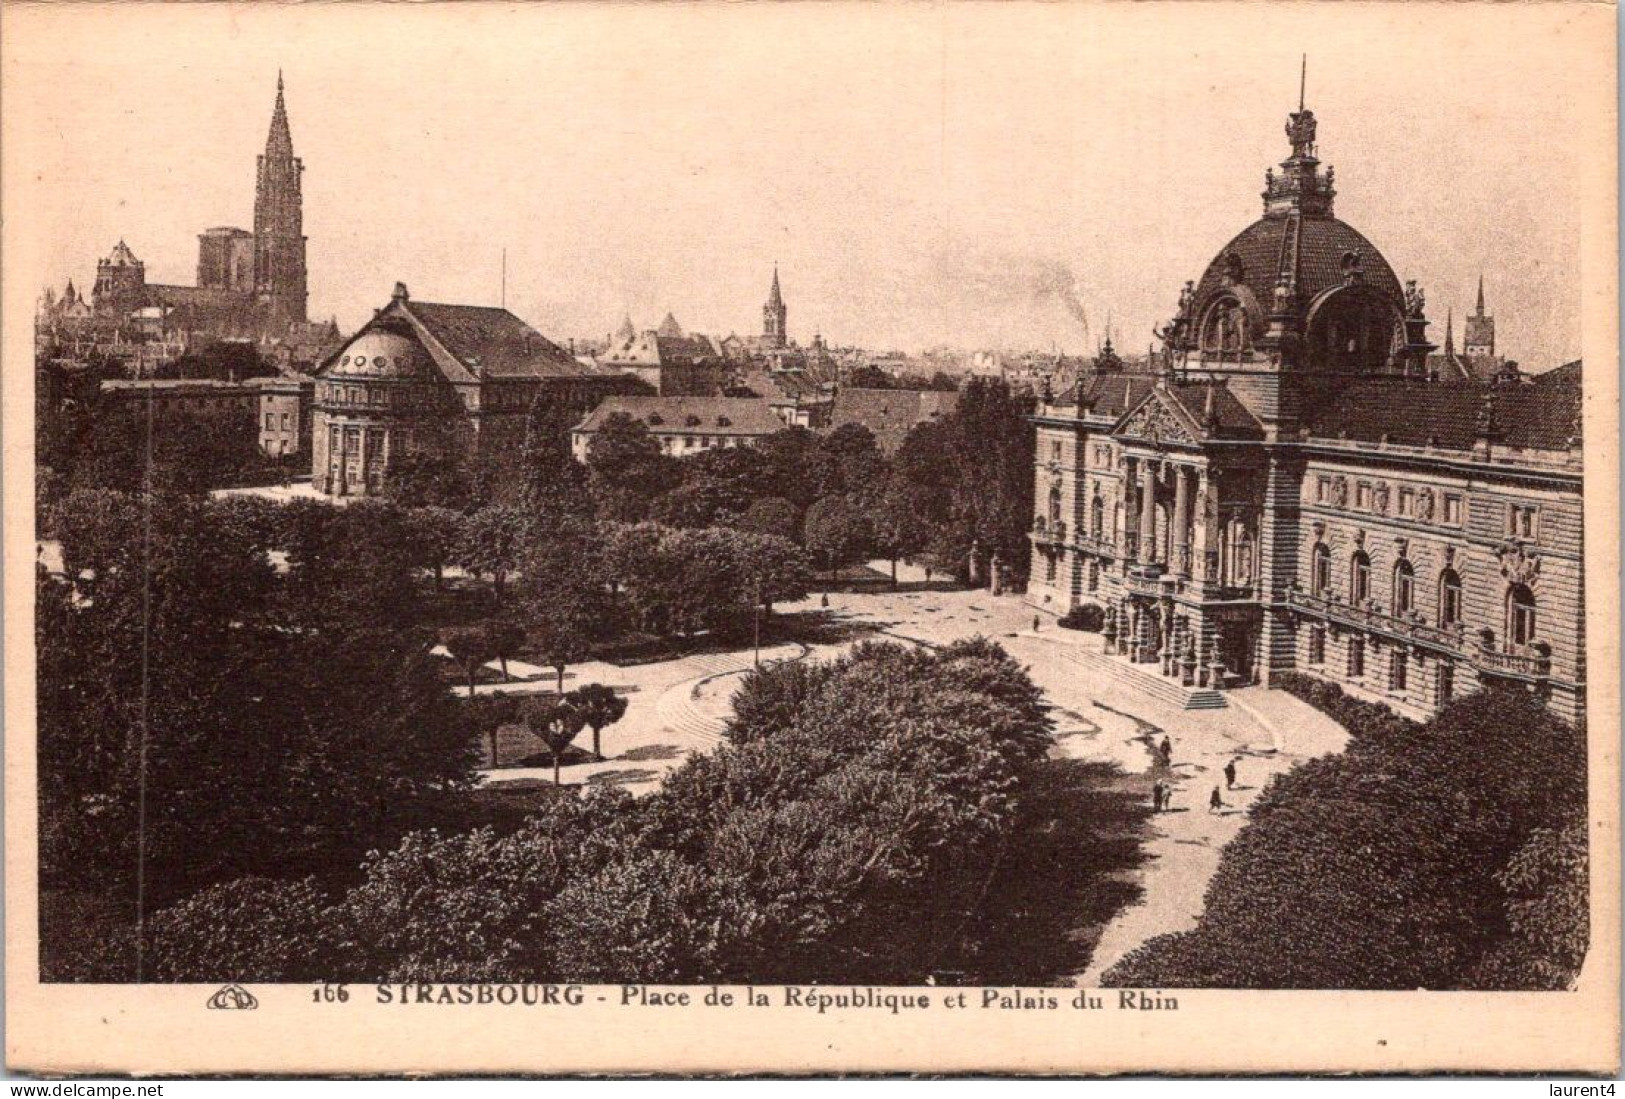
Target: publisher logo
{"type": "Point", "coordinates": [233, 998]}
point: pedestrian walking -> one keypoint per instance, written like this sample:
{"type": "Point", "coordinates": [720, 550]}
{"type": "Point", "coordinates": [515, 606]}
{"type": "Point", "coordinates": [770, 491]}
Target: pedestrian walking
{"type": "Point", "coordinates": [1035, 623]}
{"type": "Point", "coordinates": [1230, 775]}
{"type": "Point", "coordinates": [1215, 803]}
{"type": "Point", "coordinates": [1156, 797]}
{"type": "Point", "coordinates": [1167, 751]}
{"type": "Point", "coordinates": [823, 600]}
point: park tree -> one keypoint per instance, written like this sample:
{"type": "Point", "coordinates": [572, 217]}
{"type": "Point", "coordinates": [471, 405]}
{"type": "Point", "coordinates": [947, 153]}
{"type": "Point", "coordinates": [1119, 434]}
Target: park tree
{"type": "Point", "coordinates": [471, 648]}
{"type": "Point", "coordinates": [772, 515]}
{"type": "Point", "coordinates": [436, 535]}
{"type": "Point", "coordinates": [627, 468]}
{"type": "Point", "coordinates": [553, 485]}
{"type": "Point", "coordinates": [493, 540]}
{"type": "Point", "coordinates": [555, 720]}
{"type": "Point", "coordinates": [507, 638]}
{"type": "Point", "coordinates": [794, 465]}
{"type": "Point", "coordinates": [992, 447]}
{"type": "Point", "coordinates": [900, 518]}
{"type": "Point", "coordinates": [854, 465]}
{"type": "Point", "coordinates": [837, 533]}
{"type": "Point", "coordinates": [428, 478]}
{"type": "Point", "coordinates": [599, 706]}
{"type": "Point", "coordinates": [487, 714]}
{"type": "Point", "coordinates": [564, 599]}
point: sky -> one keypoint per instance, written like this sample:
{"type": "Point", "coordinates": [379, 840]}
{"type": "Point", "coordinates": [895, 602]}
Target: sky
{"type": "Point", "coordinates": [922, 174]}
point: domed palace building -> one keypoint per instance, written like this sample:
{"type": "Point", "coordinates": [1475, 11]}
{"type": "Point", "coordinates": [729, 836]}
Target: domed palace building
{"type": "Point", "coordinates": [1294, 485]}
{"type": "Point", "coordinates": [455, 381]}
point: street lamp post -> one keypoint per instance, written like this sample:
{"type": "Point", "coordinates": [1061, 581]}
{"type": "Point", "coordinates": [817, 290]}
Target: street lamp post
{"type": "Point", "coordinates": [756, 626]}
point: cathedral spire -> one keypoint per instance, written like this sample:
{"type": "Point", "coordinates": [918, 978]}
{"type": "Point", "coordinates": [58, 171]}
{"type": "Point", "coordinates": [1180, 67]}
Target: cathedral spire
{"type": "Point", "coordinates": [279, 142]}
{"type": "Point", "coordinates": [1481, 293]}
{"type": "Point", "coordinates": [1450, 334]}
{"type": "Point", "coordinates": [279, 240]}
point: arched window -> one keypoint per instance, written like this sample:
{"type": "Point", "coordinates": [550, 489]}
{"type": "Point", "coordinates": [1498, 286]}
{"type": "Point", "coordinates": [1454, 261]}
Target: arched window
{"type": "Point", "coordinates": [1449, 598]}
{"type": "Point", "coordinates": [1360, 579]}
{"type": "Point", "coordinates": [1097, 515]}
{"type": "Point", "coordinates": [1320, 573]}
{"type": "Point", "coordinates": [1520, 616]}
{"type": "Point", "coordinates": [1404, 588]}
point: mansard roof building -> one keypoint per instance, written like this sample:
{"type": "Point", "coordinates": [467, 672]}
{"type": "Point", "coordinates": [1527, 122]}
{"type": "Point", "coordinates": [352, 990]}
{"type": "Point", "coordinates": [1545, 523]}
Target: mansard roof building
{"type": "Point", "coordinates": [453, 381]}
{"type": "Point", "coordinates": [1298, 486]}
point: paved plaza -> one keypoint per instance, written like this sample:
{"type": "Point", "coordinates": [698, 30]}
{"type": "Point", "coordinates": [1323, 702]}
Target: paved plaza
{"type": "Point", "coordinates": [677, 707]}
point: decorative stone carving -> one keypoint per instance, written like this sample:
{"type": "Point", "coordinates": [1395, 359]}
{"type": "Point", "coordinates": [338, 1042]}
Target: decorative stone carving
{"type": "Point", "coordinates": [1154, 421]}
{"type": "Point", "coordinates": [1424, 505]}
{"type": "Point", "coordinates": [1519, 564]}
{"type": "Point", "coordinates": [1340, 492]}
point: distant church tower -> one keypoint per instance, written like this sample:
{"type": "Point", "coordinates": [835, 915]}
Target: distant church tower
{"type": "Point", "coordinates": [774, 313]}
{"type": "Point", "coordinates": [1479, 338]}
{"type": "Point", "coordinates": [279, 240]}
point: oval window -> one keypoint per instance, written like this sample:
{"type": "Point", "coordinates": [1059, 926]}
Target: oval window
{"type": "Point", "coordinates": [379, 362]}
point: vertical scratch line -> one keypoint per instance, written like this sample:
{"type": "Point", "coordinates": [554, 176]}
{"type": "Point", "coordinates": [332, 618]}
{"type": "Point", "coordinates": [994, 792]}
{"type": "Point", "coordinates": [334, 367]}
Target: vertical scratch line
{"type": "Point", "coordinates": [141, 765]}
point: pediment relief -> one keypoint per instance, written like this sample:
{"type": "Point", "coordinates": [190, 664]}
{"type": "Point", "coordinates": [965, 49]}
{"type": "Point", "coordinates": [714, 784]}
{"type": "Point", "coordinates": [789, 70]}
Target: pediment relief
{"type": "Point", "coordinates": [1157, 423]}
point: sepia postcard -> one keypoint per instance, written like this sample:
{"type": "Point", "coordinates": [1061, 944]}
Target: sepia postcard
{"type": "Point", "coordinates": [783, 538]}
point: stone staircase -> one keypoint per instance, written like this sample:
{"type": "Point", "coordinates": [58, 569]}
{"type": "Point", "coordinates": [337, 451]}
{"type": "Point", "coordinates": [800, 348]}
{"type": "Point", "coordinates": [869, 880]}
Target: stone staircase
{"type": "Point", "coordinates": [1142, 678]}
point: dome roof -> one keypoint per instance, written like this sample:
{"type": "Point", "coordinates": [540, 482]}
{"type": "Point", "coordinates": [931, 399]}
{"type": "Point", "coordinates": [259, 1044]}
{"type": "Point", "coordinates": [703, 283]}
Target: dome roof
{"type": "Point", "coordinates": [380, 353]}
{"type": "Point", "coordinates": [1322, 244]}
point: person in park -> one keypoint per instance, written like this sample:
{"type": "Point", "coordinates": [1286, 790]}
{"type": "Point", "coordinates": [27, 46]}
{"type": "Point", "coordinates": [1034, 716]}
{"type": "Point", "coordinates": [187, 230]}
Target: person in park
{"type": "Point", "coordinates": [1215, 803]}
{"type": "Point", "coordinates": [1167, 751]}
{"type": "Point", "coordinates": [1159, 796]}
{"type": "Point", "coordinates": [1230, 775]}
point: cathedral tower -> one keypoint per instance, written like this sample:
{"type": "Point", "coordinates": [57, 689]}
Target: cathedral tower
{"type": "Point", "coordinates": [774, 313]}
{"type": "Point", "coordinates": [279, 241]}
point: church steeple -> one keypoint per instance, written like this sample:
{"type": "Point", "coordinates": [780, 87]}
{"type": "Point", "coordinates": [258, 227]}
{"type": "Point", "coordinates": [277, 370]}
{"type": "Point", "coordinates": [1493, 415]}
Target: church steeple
{"type": "Point", "coordinates": [1479, 338]}
{"type": "Point", "coordinates": [279, 241]}
{"type": "Point", "coordinates": [774, 315]}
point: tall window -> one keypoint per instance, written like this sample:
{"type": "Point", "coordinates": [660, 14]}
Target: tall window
{"type": "Point", "coordinates": [1320, 574]}
{"type": "Point", "coordinates": [1396, 670]}
{"type": "Point", "coordinates": [1055, 504]}
{"type": "Point", "coordinates": [1097, 515]}
{"type": "Point", "coordinates": [1446, 683]}
{"type": "Point", "coordinates": [1049, 567]}
{"type": "Point", "coordinates": [1404, 588]}
{"type": "Point", "coordinates": [1449, 598]}
{"type": "Point", "coordinates": [1360, 579]}
{"type": "Point", "coordinates": [1520, 615]}
{"type": "Point", "coordinates": [1317, 644]}
{"type": "Point", "coordinates": [1356, 657]}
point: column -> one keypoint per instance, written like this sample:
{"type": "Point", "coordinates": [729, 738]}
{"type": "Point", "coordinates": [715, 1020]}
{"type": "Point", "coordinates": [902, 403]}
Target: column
{"type": "Point", "coordinates": [1127, 547]}
{"type": "Point", "coordinates": [361, 459]}
{"type": "Point", "coordinates": [1182, 518]}
{"type": "Point", "coordinates": [1148, 513]}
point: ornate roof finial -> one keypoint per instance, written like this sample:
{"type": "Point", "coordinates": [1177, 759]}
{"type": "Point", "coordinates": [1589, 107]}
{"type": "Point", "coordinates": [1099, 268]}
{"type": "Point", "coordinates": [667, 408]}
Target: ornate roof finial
{"type": "Point", "coordinates": [1303, 81]}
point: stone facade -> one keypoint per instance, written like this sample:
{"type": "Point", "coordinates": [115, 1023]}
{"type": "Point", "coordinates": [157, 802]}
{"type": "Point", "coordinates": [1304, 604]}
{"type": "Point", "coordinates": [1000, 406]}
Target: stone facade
{"type": "Point", "coordinates": [1294, 489]}
{"type": "Point", "coordinates": [455, 381]}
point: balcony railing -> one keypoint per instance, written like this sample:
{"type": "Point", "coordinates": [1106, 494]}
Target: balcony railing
{"type": "Point", "coordinates": [1448, 638]}
{"type": "Point", "coordinates": [1046, 531]}
{"type": "Point", "coordinates": [1527, 665]}
{"type": "Point", "coordinates": [1149, 582]}
{"type": "Point", "coordinates": [1101, 547]}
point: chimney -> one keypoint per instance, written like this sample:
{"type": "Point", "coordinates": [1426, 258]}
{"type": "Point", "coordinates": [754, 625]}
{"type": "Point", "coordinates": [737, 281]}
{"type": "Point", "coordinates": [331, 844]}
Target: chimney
{"type": "Point", "coordinates": [400, 293]}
